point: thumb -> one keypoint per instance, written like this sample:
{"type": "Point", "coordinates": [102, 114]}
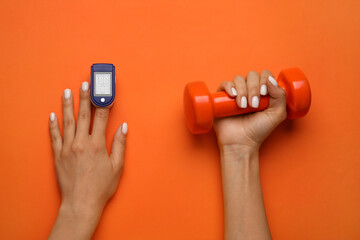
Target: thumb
{"type": "Point", "coordinates": [118, 146]}
{"type": "Point", "coordinates": [277, 95]}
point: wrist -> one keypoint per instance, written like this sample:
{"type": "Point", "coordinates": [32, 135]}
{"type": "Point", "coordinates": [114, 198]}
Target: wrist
{"type": "Point", "coordinates": [75, 222]}
{"type": "Point", "coordinates": [238, 151]}
{"type": "Point", "coordinates": [80, 213]}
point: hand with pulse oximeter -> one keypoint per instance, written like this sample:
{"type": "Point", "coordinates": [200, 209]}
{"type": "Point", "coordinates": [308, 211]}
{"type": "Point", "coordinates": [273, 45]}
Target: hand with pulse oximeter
{"type": "Point", "coordinates": [88, 176]}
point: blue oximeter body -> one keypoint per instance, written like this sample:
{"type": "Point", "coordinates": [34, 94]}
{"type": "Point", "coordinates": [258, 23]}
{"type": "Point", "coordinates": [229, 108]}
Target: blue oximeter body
{"type": "Point", "coordinates": [102, 87]}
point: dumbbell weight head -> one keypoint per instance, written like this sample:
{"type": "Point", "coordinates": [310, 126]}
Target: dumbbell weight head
{"type": "Point", "coordinates": [298, 93]}
{"type": "Point", "coordinates": [198, 107]}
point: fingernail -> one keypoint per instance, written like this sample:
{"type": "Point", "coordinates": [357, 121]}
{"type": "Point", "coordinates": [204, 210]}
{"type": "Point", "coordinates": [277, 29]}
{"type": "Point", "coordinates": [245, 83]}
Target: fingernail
{"type": "Point", "coordinates": [234, 92]}
{"type": "Point", "coordinates": [243, 102]}
{"type": "Point", "coordinates": [52, 117]}
{"type": "Point", "coordinates": [67, 93]}
{"type": "Point", "coordinates": [255, 102]}
{"type": "Point", "coordinates": [85, 86]}
{"type": "Point", "coordinates": [273, 81]}
{"type": "Point", "coordinates": [263, 90]}
{"type": "Point", "coordinates": [124, 128]}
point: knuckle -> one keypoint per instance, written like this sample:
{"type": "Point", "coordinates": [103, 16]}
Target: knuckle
{"type": "Point", "coordinates": [84, 95]}
{"type": "Point", "coordinates": [122, 141]}
{"type": "Point", "coordinates": [227, 84]}
{"type": "Point", "coordinates": [54, 138]}
{"type": "Point", "coordinates": [254, 90]}
{"type": "Point", "coordinates": [67, 103]}
{"type": "Point", "coordinates": [239, 79]}
{"type": "Point", "coordinates": [222, 85]}
{"type": "Point", "coordinates": [64, 154]}
{"type": "Point", "coordinates": [266, 72]}
{"type": "Point", "coordinates": [52, 127]}
{"type": "Point", "coordinates": [68, 122]}
{"type": "Point", "coordinates": [78, 147]}
{"type": "Point", "coordinates": [84, 115]}
{"type": "Point", "coordinates": [102, 113]}
{"type": "Point", "coordinates": [253, 73]}
{"type": "Point", "coordinates": [97, 146]}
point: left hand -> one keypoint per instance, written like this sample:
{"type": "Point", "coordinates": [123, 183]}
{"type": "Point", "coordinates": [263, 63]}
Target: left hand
{"type": "Point", "coordinates": [86, 174]}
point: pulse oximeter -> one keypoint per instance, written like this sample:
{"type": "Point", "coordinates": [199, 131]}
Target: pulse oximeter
{"type": "Point", "coordinates": [102, 87]}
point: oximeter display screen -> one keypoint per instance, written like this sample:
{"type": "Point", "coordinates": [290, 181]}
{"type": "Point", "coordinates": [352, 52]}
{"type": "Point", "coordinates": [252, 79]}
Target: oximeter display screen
{"type": "Point", "coordinates": [102, 83]}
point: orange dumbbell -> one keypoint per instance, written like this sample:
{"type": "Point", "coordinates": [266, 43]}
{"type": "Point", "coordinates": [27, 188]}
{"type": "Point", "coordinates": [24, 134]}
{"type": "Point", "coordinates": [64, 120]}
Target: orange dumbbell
{"type": "Point", "coordinates": [201, 106]}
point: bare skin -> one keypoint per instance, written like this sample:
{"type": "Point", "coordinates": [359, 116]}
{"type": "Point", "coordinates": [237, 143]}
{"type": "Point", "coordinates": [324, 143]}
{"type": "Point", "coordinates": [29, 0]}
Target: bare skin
{"type": "Point", "coordinates": [239, 140]}
{"type": "Point", "coordinates": [86, 174]}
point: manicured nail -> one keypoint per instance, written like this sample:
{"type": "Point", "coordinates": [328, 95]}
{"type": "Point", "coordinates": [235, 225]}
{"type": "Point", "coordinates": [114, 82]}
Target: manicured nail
{"type": "Point", "coordinates": [52, 117]}
{"type": "Point", "coordinates": [85, 86]}
{"type": "Point", "coordinates": [255, 102]}
{"type": "Point", "coordinates": [124, 128]}
{"type": "Point", "coordinates": [263, 90]}
{"type": "Point", "coordinates": [67, 93]}
{"type": "Point", "coordinates": [243, 102]}
{"type": "Point", "coordinates": [234, 92]}
{"type": "Point", "coordinates": [273, 81]}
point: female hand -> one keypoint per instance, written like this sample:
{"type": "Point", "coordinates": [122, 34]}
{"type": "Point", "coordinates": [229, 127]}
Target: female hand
{"type": "Point", "coordinates": [86, 174]}
{"type": "Point", "coordinates": [239, 139]}
{"type": "Point", "coordinates": [250, 130]}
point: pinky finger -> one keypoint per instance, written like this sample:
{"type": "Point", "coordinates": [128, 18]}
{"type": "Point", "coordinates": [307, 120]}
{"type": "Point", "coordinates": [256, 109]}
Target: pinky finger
{"type": "Point", "coordinates": [229, 88]}
{"type": "Point", "coordinates": [118, 146]}
{"type": "Point", "coordinates": [56, 138]}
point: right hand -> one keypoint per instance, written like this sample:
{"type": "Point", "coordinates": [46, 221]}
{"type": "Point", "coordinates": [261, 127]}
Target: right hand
{"type": "Point", "coordinates": [250, 130]}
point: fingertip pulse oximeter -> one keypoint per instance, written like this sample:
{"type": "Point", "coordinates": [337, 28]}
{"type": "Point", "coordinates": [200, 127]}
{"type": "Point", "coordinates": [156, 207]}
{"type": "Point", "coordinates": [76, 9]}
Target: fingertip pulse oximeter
{"type": "Point", "coordinates": [102, 84]}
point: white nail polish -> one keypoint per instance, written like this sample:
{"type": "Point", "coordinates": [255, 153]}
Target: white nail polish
{"type": "Point", "coordinates": [273, 81]}
{"type": "Point", "coordinates": [243, 102]}
{"type": "Point", "coordinates": [255, 102]}
{"type": "Point", "coordinates": [85, 86]}
{"type": "Point", "coordinates": [234, 92]}
{"type": "Point", "coordinates": [67, 93]}
{"type": "Point", "coordinates": [263, 90]}
{"type": "Point", "coordinates": [124, 128]}
{"type": "Point", "coordinates": [52, 116]}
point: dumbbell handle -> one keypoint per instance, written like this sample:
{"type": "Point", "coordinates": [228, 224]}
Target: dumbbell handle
{"type": "Point", "coordinates": [225, 106]}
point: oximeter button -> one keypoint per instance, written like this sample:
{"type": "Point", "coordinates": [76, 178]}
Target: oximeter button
{"type": "Point", "coordinates": [102, 99]}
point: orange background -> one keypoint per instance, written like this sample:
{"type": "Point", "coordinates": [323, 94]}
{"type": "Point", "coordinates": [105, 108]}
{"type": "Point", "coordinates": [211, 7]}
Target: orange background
{"type": "Point", "coordinates": [171, 184]}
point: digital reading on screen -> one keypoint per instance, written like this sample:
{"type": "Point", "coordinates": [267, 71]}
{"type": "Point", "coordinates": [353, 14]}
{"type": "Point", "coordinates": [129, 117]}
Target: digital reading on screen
{"type": "Point", "coordinates": [102, 83]}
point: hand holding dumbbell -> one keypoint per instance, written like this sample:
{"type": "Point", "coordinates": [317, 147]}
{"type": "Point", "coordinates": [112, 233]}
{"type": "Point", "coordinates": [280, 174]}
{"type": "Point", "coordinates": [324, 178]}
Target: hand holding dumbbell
{"type": "Point", "coordinates": [201, 107]}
